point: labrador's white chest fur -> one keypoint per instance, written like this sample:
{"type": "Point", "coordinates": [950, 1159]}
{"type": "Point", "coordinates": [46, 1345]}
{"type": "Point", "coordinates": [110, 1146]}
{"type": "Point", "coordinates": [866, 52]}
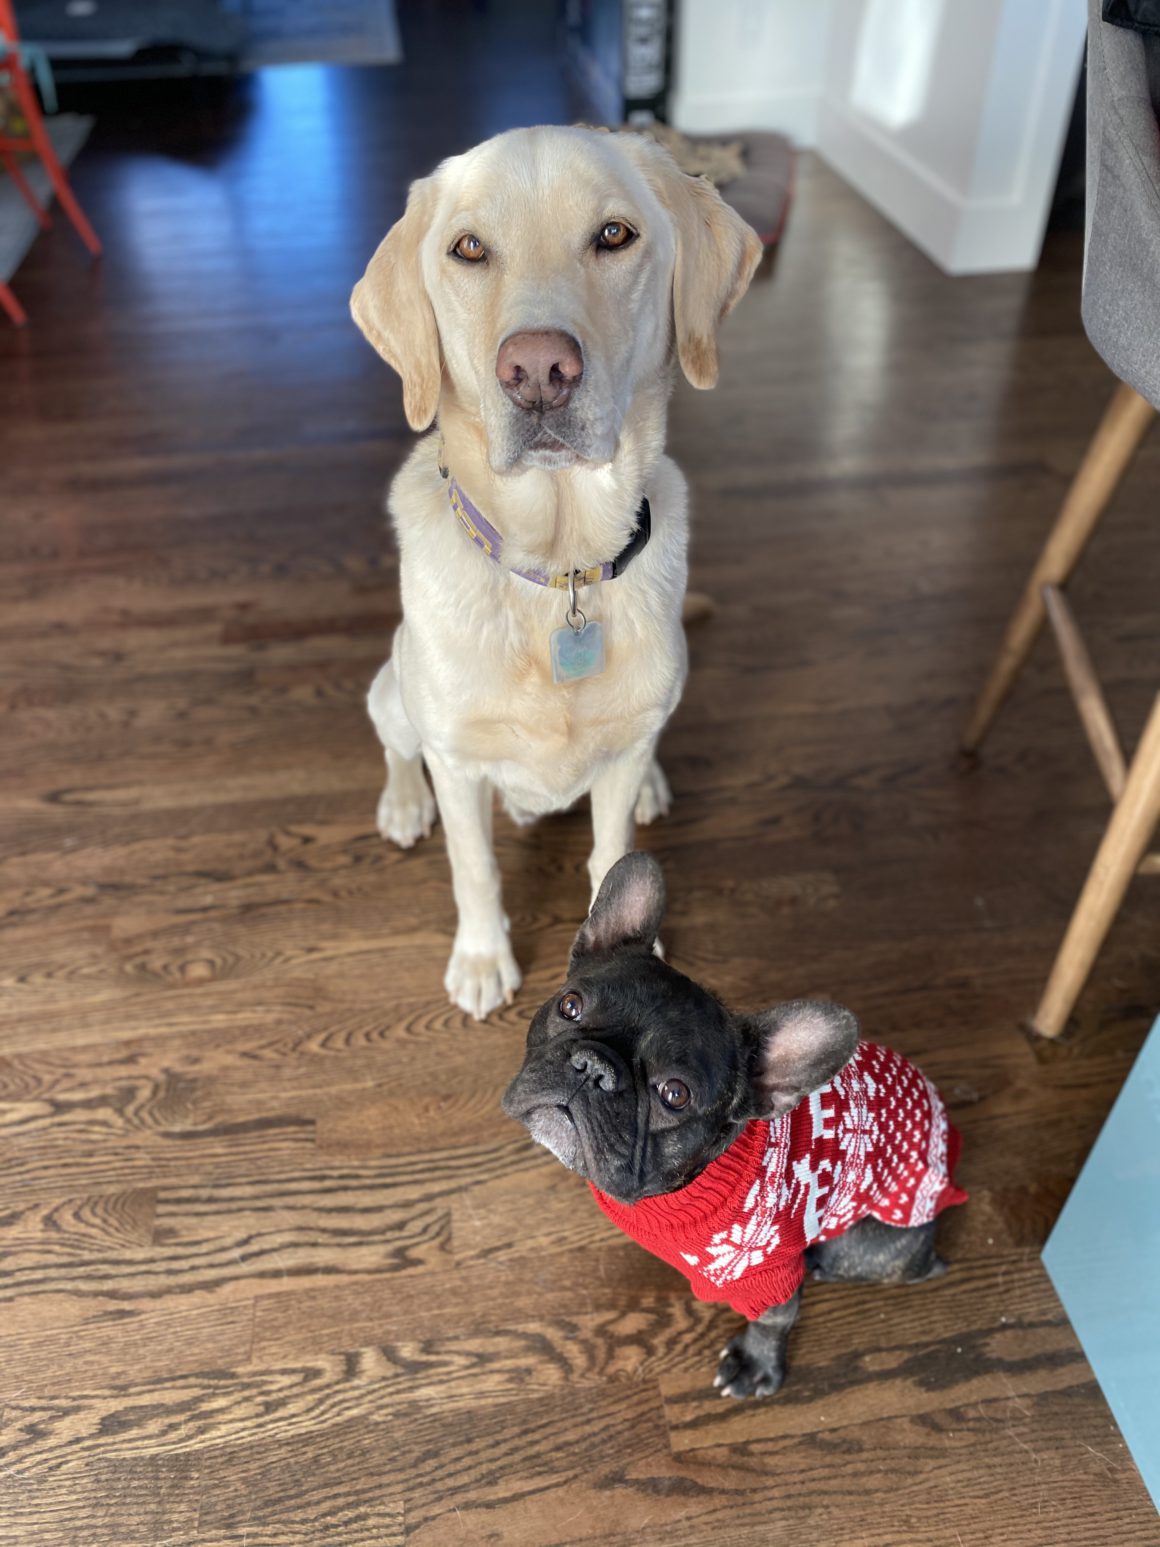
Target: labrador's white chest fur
{"type": "Point", "coordinates": [473, 654]}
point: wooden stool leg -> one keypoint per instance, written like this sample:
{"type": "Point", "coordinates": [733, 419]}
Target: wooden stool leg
{"type": "Point", "coordinates": [1105, 463]}
{"type": "Point", "coordinates": [1133, 821]}
{"type": "Point", "coordinates": [1085, 687]}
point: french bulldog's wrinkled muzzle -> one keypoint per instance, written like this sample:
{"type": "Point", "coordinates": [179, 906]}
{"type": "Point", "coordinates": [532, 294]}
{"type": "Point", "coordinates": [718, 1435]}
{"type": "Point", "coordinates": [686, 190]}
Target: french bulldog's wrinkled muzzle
{"type": "Point", "coordinates": [578, 1099]}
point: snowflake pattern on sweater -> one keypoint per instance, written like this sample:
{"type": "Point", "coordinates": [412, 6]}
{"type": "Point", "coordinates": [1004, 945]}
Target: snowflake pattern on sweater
{"type": "Point", "coordinates": [874, 1141]}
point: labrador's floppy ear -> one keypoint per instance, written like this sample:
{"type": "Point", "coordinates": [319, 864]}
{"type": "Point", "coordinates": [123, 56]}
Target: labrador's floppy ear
{"type": "Point", "coordinates": [627, 911]}
{"type": "Point", "coordinates": [797, 1047]}
{"type": "Point", "coordinates": [717, 253]}
{"type": "Point", "coordinates": [391, 305]}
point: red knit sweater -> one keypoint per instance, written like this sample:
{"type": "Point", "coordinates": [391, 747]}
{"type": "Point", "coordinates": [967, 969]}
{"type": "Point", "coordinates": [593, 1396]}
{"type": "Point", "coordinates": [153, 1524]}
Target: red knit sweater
{"type": "Point", "coordinates": [875, 1140]}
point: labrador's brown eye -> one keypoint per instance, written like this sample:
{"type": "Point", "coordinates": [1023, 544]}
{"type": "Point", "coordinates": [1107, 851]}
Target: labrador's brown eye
{"type": "Point", "coordinates": [615, 234]}
{"type": "Point", "coordinates": [571, 1007]}
{"type": "Point", "coordinates": [470, 249]}
{"type": "Point", "coordinates": [674, 1094]}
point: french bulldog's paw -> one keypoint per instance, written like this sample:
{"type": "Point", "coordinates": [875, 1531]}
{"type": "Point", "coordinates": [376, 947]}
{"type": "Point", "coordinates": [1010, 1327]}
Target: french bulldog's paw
{"type": "Point", "coordinates": [480, 983]}
{"type": "Point", "coordinates": [655, 798]}
{"type": "Point", "coordinates": [406, 810]}
{"type": "Point", "coordinates": [741, 1374]}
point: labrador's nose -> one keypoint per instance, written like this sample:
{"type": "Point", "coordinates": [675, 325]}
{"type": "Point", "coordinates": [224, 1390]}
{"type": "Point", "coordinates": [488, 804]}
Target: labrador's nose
{"type": "Point", "coordinates": [539, 371]}
{"type": "Point", "coordinates": [597, 1065]}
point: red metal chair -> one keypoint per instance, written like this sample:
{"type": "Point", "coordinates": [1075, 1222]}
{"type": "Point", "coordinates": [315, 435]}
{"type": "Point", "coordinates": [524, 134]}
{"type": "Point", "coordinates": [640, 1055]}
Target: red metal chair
{"type": "Point", "coordinates": [35, 139]}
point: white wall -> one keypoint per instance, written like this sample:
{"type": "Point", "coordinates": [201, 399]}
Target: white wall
{"type": "Point", "coordinates": [949, 115]}
{"type": "Point", "coordinates": [750, 64]}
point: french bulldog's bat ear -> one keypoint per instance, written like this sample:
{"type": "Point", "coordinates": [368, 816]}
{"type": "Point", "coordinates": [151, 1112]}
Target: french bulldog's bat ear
{"type": "Point", "coordinates": [627, 911]}
{"type": "Point", "coordinates": [797, 1047]}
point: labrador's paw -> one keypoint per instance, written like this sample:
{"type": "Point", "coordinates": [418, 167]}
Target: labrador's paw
{"type": "Point", "coordinates": [655, 798]}
{"type": "Point", "coordinates": [480, 982]}
{"type": "Point", "coordinates": [406, 810]}
{"type": "Point", "coordinates": [741, 1374]}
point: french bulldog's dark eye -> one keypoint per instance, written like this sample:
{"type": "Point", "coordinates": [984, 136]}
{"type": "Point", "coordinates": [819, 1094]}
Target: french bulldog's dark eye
{"type": "Point", "coordinates": [571, 1007]}
{"type": "Point", "coordinates": [675, 1094]}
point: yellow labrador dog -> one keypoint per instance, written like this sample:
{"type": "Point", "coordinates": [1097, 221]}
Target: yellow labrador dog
{"type": "Point", "coordinates": [533, 299]}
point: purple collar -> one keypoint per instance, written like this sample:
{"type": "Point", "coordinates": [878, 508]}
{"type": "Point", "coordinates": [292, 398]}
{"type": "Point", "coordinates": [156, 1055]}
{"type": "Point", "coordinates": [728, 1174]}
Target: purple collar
{"type": "Point", "coordinates": [485, 537]}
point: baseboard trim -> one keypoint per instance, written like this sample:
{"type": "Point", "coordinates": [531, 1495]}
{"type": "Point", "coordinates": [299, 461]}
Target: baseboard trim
{"type": "Point", "coordinates": [963, 236]}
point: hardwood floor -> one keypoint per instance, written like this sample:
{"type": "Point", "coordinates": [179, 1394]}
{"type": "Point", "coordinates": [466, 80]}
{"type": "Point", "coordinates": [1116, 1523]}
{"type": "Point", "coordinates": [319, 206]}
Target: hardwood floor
{"type": "Point", "coordinates": [276, 1269]}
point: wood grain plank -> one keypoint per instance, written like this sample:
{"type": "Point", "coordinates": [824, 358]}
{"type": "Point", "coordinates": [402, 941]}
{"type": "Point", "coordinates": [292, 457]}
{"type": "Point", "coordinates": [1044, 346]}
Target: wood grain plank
{"type": "Point", "coordinates": [478, 1298]}
{"type": "Point", "coordinates": [137, 1503]}
{"type": "Point", "coordinates": [354, 1524]}
{"type": "Point", "coordinates": [226, 1238]}
{"type": "Point", "coordinates": [123, 1346]}
{"type": "Point", "coordinates": [437, 1457]}
{"type": "Point", "coordinates": [1044, 1466]}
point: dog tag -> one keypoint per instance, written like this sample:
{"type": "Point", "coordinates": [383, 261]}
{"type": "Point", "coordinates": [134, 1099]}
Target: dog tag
{"type": "Point", "coordinates": [577, 653]}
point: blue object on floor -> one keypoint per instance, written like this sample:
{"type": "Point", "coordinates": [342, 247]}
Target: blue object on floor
{"type": "Point", "coordinates": [1104, 1259]}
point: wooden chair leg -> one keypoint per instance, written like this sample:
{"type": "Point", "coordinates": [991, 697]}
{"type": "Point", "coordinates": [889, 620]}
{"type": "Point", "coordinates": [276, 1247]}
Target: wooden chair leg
{"type": "Point", "coordinates": [1107, 459]}
{"type": "Point", "coordinates": [1132, 824]}
{"type": "Point", "coordinates": [1094, 713]}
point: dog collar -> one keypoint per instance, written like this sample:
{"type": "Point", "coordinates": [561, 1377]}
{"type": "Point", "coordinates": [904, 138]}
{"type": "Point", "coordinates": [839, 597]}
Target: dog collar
{"type": "Point", "coordinates": [489, 541]}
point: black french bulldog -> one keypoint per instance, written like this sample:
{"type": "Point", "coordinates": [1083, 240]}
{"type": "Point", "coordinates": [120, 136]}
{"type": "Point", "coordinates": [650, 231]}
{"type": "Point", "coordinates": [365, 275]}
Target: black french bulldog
{"type": "Point", "coordinates": [742, 1149]}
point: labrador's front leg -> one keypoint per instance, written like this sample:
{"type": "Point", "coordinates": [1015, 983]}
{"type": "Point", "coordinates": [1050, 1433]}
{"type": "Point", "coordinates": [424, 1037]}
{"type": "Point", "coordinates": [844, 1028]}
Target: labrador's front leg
{"type": "Point", "coordinates": [482, 973]}
{"type": "Point", "coordinates": [614, 796]}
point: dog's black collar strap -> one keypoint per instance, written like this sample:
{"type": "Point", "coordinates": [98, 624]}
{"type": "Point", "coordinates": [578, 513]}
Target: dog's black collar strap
{"type": "Point", "coordinates": [638, 542]}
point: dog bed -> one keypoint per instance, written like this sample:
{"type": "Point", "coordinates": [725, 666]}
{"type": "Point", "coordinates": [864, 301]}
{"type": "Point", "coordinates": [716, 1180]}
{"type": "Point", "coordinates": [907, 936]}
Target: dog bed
{"type": "Point", "coordinates": [752, 169]}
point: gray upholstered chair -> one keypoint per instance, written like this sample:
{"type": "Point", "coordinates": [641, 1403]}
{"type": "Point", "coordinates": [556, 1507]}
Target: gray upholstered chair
{"type": "Point", "coordinates": [1121, 314]}
{"type": "Point", "coordinates": [1121, 279]}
